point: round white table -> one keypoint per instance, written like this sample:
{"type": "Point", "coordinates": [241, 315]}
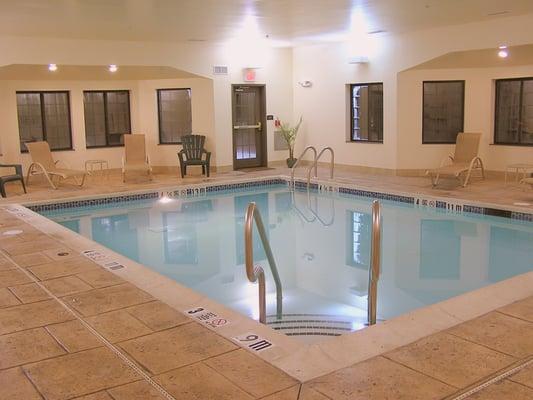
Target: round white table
{"type": "Point", "coordinates": [91, 164]}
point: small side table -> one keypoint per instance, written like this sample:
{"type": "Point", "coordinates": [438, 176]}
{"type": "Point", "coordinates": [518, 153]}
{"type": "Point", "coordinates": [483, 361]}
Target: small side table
{"type": "Point", "coordinates": [523, 169]}
{"type": "Point", "coordinates": [90, 167]}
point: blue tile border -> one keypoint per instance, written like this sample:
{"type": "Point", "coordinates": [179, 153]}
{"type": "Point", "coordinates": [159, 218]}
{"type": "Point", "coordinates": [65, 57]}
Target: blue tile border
{"type": "Point", "coordinates": [213, 188]}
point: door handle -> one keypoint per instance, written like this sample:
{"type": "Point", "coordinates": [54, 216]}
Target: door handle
{"type": "Point", "coordinates": [258, 126]}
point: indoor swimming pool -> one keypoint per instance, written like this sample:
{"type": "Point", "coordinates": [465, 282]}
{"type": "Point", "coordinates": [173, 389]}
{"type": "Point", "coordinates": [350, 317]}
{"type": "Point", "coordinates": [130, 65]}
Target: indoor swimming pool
{"type": "Point", "coordinates": [321, 243]}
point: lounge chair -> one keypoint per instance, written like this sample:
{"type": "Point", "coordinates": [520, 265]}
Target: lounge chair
{"type": "Point", "coordinates": [135, 158]}
{"type": "Point", "coordinates": [527, 181]}
{"type": "Point", "coordinates": [192, 152]}
{"type": "Point", "coordinates": [463, 162]}
{"type": "Point", "coordinates": [17, 176]}
{"type": "Point", "coordinates": [44, 164]}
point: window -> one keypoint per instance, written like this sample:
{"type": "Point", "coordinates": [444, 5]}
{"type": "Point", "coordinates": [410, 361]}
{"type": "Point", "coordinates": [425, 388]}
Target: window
{"type": "Point", "coordinates": [175, 116]}
{"type": "Point", "coordinates": [359, 227]}
{"type": "Point", "coordinates": [107, 117]}
{"type": "Point", "coordinates": [44, 116]}
{"type": "Point", "coordinates": [443, 111]}
{"type": "Point", "coordinates": [514, 112]}
{"type": "Point", "coordinates": [366, 105]}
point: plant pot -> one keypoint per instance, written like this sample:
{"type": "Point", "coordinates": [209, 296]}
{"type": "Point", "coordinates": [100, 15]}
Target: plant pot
{"type": "Point", "coordinates": [291, 162]}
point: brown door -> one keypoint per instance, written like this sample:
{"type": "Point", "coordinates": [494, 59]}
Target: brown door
{"type": "Point", "coordinates": [249, 139]}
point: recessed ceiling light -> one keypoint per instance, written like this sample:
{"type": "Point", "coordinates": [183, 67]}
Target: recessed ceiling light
{"type": "Point", "coordinates": [503, 52]}
{"type": "Point", "coordinates": [113, 68]}
{"type": "Point", "coordinates": [52, 67]}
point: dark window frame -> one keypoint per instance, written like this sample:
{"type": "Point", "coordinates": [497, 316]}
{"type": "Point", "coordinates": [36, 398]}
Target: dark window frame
{"type": "Point", "coordinates": [462, 114]}
{"type": "Point", "coordinates": [41, 94]}
{"type": "Point", "coordinates": [158, 91]}
{"type": "Point", "coordinates": [352, 116]}
{"type": "Point", "coordinates": [496, 104]}
{"type": "Point", "coordinates": [106, 119]}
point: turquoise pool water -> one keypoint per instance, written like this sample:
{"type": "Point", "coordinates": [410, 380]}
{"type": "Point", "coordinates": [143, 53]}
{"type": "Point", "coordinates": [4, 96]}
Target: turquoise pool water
{"type": "Point", "coordinates": [322, 247]}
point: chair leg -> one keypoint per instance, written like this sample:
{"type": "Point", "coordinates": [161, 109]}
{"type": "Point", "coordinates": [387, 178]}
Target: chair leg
{"type": "Point", "coordinates": [203, 169]}
{"type": "Point", "coordinates": [184, 171]}
{"type": "Point", "coordinates": [2, 189]}
{"type": "Point", "coordinates": [207, 169]}
{"type": "Point", "coordinates": [23, 185]}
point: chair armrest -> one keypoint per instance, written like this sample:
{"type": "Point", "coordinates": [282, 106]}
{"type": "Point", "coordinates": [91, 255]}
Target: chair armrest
{"type": "Point", "coordinates": [18, 167]}
{"type": "Point", "coordinates": [207, 155]}
{"type": "Point", "coordinates": [182, 154]}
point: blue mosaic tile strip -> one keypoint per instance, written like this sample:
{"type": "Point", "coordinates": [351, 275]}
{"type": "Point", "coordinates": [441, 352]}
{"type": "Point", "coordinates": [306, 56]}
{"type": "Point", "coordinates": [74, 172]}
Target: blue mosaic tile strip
{"type": "Point", "coordinates": [440, 204]}
{"type": "Point", "coordinates": [242, 185]}
{"type": "Point", "coordinates": [378, 195]}
{"type": "Point", "coordinates": [522, 216]}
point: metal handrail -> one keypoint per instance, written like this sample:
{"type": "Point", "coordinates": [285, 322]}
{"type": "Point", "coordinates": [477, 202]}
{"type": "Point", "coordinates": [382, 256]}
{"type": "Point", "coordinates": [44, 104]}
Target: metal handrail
{"type": "Point", "coordinates": [375, 263]}
{"type": "Point", "coordinates": [315, 164]}
{"type": "Point", "coordinates": [256, 272]}
{"type": "Point", "coordinates": [300, 158]}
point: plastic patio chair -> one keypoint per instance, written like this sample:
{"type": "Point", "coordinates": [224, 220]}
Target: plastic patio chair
{"type": "Point", "coordinates": [135, 158]}
{"type": "Point", "coordinates": [44, 164]}
{"type": "Point", "coordinates": [464, 160]}
{"type": "Point", "coordinates": [192, 152]}
{"type": "Point", "coordinates": [17, 176]}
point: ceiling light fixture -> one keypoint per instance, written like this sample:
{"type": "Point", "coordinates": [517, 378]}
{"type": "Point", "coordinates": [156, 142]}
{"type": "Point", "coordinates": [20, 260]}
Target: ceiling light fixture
{"type": "Point", "coordinates": [113, 68]}
{"type": "Point", "coordinates": [52, 67]}
{"type": "Point", "coordinates": [503, 52]}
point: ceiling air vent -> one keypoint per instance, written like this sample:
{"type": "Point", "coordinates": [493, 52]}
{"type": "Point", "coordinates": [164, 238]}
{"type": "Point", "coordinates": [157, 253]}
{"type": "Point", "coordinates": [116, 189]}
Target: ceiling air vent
{"type": "Point", "coordinates": [220, 70]}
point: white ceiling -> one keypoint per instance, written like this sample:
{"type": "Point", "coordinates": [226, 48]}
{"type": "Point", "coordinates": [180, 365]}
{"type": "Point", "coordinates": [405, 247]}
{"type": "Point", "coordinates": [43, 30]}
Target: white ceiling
{"type": "Point", "coordinates": [292, 21]}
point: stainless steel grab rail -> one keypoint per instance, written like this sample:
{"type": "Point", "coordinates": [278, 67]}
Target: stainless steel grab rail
{"type": "Point", "coordinates": [313, 148]}
{"type": "Point", "coordinates": [315, 164]}
{"type": "Point", "coordinates": [256, 272]}
{"type": "Point", "coordinates": [375, 263]}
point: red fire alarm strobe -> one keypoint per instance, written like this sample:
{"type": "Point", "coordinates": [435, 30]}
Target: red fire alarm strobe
{"type": "Point", "coordinates": [249, 75]}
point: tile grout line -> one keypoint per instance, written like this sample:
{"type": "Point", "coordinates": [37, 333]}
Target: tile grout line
{"type": "Point", "coordinates": [476, 387]}
{"type": "Point", "coordinates": [456, 335]}
{"type": "Point", "coordinates": [108, 344]}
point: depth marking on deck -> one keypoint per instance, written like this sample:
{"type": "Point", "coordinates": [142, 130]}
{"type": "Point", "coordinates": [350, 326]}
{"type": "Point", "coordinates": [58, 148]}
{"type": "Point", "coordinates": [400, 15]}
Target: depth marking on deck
{"type": "Point", "coordinates": [209, 318]}
{"type": "Point", "coordinates": [102, 259]}
{"type": "Point", "coordinates": [253, 341]}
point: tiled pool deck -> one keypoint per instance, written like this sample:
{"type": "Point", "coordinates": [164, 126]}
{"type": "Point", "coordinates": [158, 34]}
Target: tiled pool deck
{"type": "Point", "coordinates": [70, 329]}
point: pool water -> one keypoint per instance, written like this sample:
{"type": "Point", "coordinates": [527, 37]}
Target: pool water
{"type": "Point", "coordinates": [321, 243]}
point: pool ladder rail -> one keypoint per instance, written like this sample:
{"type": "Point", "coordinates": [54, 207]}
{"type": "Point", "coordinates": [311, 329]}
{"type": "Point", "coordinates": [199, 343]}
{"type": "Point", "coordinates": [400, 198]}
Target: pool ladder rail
{"type": "Point", "coordinates": [375, 263]}
{"type": "Point", "coordinates": [314, 164]}
{"type": "Point", "coordinates": [256, 272]}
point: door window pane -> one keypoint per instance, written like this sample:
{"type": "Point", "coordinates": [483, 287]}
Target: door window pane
{"type": "Point", "coordinates": [107, 117]}
{"type": "Point", "coordinates": [443, 111]}
{"type": "Point", "coordinates": [175, 114]}
{"type": "Point", "coordinates": [44, 116]}
{"type": "Point", "coordinates": [514, 112]}
{"type": "Point", "coordinates": [366, 104]}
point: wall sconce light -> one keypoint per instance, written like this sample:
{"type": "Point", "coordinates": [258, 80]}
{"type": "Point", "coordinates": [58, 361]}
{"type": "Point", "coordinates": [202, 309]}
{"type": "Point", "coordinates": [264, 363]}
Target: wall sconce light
{"type": "Point", "coordinates": [503, 52]}
{"type": "Point", "coordinates": [113, 68]}
{"type": "Point", "coordinates": [305, 84]}
{"type": "Point", "coordinates": [52, 67]}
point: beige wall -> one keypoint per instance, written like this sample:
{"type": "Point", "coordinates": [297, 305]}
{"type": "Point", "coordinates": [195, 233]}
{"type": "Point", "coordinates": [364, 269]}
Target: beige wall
{"type": "Point", "coordinates": [275, 66]}
{"type": "Point", "coordinates": [478, 117]}
{"type": "Point", "coordinates": [324, 105]}
{"type": "Point", "coordinates": [143, 112]}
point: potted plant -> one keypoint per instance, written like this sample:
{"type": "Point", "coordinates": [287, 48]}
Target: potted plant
{"type": "Point", "coordinates": [289, 135]}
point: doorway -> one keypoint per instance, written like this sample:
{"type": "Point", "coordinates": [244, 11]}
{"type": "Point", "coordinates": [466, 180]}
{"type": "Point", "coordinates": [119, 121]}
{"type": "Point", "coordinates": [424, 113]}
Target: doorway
{"type": "Point", "coordinates": [249, 126]}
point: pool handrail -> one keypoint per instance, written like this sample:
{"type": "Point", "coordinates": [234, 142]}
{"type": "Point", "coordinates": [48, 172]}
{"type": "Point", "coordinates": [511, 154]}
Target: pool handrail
{"type": "Point", "coordinates": [256, 272]}
{"type": "Point", "coordinates": [375, 263]}
{"type": "Point", "coordinates": [313, 148]}
{"type": "Point", "coordinates": [315, 164]}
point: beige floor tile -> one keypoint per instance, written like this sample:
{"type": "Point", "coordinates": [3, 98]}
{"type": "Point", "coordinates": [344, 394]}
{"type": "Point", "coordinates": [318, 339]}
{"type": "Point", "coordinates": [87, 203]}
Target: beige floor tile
{"type": "Point", "coordinates": [6, 265]}
{"type": "Point", "coordinates": [31, 259]}
{"type": "Point", "coordinates": [95, 396]}
{"type": "Point", "coordinates": [26, 316]}
{"type": "Point", "coordinates": [24, 347]}
{"type": "Point", "coordinates": [29, 293]}
{"type": "Point", "coordinates": [451, 359]}
{"type": "Point", "coordinates": [198, 381]}
{"type": "Point", "coordinates": [111, 298]}
{"type": "Point", "coordinates": [100, 278]}
{"type": "Point", "coordinates": [79, 374]}
{"type": "Point", "coordinates": [306, 393]}
{"type": "Point", "coordinates": [157, 315]}
{"type": "Point", "coordinates": [285, 394]}
{"type": "Point", "coordinates": [117, 326]}
{"type": "Point", "coordinates": [525, 376]}
{"type": "Point", "coordinates": [73, 336]}
{"type": "Point", "coordinates": [500, 332]}
{"type": "Point", "coordinates": [60, 253]}
{"type": "Point", "coordinates": [57, 269]}
{"type": "Point", "coordinates": [176, 347]}
{"type": "Point", "coordinates": [379, 378]}
{"type": "Point", "coordinates": [140, 390]}
{"type": "Point", "coordinates": [16, 249]}
{"type": "Point", "coordinates": [521, 309]}
{"type": "Point", "coordinates": [251, 373]}
{"type": "Point", "coordinates": [15, 386]}
{"type": "Point", "coordinates": [7, 298]}
{"type": "Point", "coordinates": [66, 285]}
{"type": "Point", "coordinates": [504, 390]}
{"type": "Point", "coordinates": [13, 277]}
